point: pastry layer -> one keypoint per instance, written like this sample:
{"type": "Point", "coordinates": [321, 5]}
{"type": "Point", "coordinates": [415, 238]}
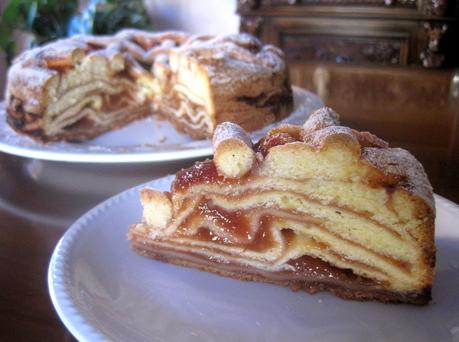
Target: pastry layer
{"type": "Point", "coordinates": [366, 233]}
{"type": "Point", "coordinates": [307, 273]}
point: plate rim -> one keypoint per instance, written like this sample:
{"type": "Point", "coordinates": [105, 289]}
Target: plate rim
{"type": "Point", "coordinates": [37, 152]}
{"type": "Point", "coordinates": [60, 295]}
{"type": "Point", "coordinates": [100, 158]}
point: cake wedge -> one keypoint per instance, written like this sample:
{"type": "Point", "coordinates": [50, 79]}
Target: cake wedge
{"type": "Point", "coordinates": [318, 207]}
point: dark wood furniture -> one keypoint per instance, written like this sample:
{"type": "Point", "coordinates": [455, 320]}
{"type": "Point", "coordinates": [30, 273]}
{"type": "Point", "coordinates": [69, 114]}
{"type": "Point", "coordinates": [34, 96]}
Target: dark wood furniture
{"type": "Point", "coordinates": [387, 66]}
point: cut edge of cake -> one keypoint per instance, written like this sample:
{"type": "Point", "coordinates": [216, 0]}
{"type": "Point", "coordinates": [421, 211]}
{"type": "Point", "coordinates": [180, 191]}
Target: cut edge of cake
{"type": "Point", "coordinates": [318, 207]}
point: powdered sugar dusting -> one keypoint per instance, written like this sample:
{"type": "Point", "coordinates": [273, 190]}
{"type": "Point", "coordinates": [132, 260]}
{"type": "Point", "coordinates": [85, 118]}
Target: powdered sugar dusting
{"type": "Point", "coordinates": [324, 123]}
{"type": "Point", "coordinates": [396, 163]}
{"type": "Point", "coordinates": [319, 137]}
{"type": "Point", "coordinates": [229, 130]}
{"type": "Point", "coordinates": [32, 78]}
{"type": "Point", "coordinates": [321, 118]}
{"type": "Point", "coordinates": [233, 59]}
{"type": "Point", "coordinates": [400, 162]}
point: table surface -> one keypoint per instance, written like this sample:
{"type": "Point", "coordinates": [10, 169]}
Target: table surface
{"type": "Point", "coordinates": [38, 201]}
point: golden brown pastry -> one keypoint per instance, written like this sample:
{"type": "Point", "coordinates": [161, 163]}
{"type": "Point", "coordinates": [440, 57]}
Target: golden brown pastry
{"type": "Point", "coordinates": [77, 88]}
{"type": "Point", "coordinates": [317, 207]}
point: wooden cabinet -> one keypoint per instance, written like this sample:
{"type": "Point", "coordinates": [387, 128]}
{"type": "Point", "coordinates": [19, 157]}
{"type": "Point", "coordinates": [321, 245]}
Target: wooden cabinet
{"type": "Point", "coordinates": [387, 66]}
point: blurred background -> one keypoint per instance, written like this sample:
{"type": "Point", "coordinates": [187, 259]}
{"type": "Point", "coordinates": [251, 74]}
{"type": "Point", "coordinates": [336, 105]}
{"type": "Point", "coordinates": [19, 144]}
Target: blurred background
{"type": "Point", "coordinates": [26, 23]}
{"type": "Point", "coordinates": [387, 66]}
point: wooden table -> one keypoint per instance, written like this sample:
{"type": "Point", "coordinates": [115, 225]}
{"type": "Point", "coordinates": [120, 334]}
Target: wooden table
{"type": "Point", "coordinates": [38, 201]}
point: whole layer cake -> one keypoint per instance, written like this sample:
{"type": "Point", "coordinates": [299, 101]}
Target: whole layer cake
{"type": "Point", "coordinates": [317, 207]}
{"type": "Point", "coordinates": [76, 88]}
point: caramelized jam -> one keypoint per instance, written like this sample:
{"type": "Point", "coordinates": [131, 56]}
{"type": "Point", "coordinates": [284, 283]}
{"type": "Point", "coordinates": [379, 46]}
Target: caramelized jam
{"type": "Point", "coordinates": [261, 242]}
{"type": "Point", "coordinates": [114, 101]}
{"type": "Point", "coordinates": [200, 173]}
{"type": "Point", "coordinates": [235, 227]}
{"type": "Point", "coordinates": [60, 66]}
{"type": "Point", "coordinates": [263, 239]}
{"type": "Point", "coordinates": [83, 124]}
{"type": "Point", "coordinates": [234, 223]}
{"type": "Point", "coordinates": [288, 235]}
{"type": "Point", "coordinates": [236, 230]}
{"type": "Point", "coordinates": [274, 140]}
{"type": "Point", "coordinates": [206, 235]}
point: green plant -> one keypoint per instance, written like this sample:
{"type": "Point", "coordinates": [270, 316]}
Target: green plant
{"type": "Point", "coordinates": [45, 19]}
{"type": "Point", "coordinates": [112, 15]}
{"type": "Point", "coordinates": [51, 19]}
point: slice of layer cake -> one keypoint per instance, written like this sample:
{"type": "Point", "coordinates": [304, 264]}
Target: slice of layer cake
{"type": "Point", "coordinates": [76, 88]}
{"type": "Point", "coordinates": [317, 207]}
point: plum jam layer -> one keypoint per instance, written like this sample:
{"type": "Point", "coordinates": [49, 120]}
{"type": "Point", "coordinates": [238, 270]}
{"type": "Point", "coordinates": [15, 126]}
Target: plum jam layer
{"type": "Point", "coordinates": [253, 230]}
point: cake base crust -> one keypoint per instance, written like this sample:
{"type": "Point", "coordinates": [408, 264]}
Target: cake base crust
{"type": "Point", "coordinates": [353, 287]}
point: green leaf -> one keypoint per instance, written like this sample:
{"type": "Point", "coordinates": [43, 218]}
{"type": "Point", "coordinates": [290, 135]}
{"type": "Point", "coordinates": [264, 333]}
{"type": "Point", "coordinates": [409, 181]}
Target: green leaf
{"type": "Point", "coordinates": [113, 15]}
{"type": "Point", "coordinates": [11, 12]}
{"type": "Point", "coordinates": [49, 19]}
{"type": "Point", "coordinates": [7, 42]}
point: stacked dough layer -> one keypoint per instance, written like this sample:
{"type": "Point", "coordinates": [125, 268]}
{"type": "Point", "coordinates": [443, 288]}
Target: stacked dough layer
{"type": "Point", "coordinates": [319, 207]}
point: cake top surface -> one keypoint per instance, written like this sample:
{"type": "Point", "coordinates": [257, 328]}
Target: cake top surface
{"type": "Point", "coordinates": [241, 53]}
{"type": "Point", "coordinates": [236, 52]}
{"type": "Point", "coordinates": [125, 40]}
{"type": "Point", "coordinates": [359, 156]}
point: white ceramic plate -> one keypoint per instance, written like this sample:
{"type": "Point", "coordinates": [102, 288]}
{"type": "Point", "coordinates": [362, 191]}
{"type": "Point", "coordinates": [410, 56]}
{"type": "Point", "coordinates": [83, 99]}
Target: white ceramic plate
{"type": "Point", "coordinates": [147, 140]}
{"type": "Point", "coordinates": [104, 291]}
